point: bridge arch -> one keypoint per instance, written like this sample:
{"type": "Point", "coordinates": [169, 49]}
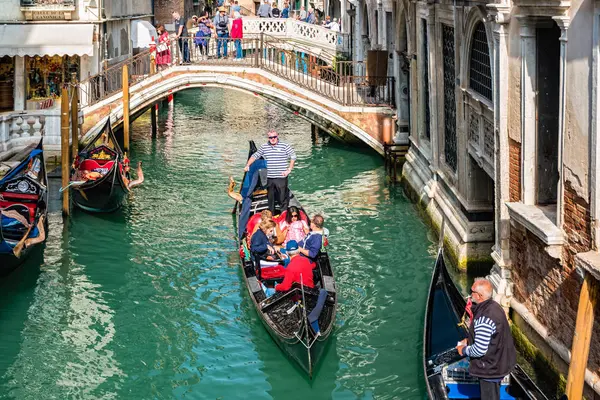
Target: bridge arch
{"type": "Point", "coordinates": [364, 124]}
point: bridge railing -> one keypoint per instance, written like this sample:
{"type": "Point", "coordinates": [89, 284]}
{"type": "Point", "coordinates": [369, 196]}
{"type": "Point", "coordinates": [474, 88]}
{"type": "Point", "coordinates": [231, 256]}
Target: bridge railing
{"type": "Point", "coordinates": [346, 83]}
{"type": "Point", "coordinates": [298, 31]}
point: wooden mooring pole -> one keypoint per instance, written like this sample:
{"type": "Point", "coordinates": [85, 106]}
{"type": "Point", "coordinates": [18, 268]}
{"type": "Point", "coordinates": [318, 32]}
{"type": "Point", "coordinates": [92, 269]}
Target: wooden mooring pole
{"type": "Point", "coordinates": [582, 337]}
{"type": "Point", "coordinates": [125, 108]}
{"type": "Point", "coordinates": [153, 112]}
{"type": "Point", "coordinates": [64, 148]}
{"type": "Point", "coordinates": [75, 123]}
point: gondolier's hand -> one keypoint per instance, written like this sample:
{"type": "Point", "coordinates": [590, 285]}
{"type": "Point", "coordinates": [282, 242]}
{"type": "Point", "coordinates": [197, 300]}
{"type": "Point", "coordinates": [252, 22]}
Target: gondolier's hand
{"type": "Point", "coordinates": [286, 172]}
{"type": "Point", "coordinates": [461, 346]}
{"type": "Point", "coordinates": [246, 168]}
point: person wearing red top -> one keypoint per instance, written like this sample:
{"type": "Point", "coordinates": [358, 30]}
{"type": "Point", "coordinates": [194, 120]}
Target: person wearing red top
{"type": "Point", "coordinates": [300, 269]}
{"type": "Point", "coordinates": [237, 33]}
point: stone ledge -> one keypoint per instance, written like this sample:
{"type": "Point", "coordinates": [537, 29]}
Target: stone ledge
{"type": "Point", "coordinates": [534, 220]}
{"type": "Point", "coordinates": [589, 261]}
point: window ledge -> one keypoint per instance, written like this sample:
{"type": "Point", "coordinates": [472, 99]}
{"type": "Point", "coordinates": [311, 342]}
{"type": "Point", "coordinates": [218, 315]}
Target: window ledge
{"type": "Point", "coordinates": [590, 262]}
{"type": "Point", "coordinates": [536, 222]}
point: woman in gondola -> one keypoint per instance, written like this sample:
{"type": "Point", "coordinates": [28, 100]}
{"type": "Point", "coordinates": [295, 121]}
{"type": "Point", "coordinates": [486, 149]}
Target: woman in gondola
{"type": "Point", "coordinates": [260, 245]}
{"type": "Point", "coordinates": [293, 226]}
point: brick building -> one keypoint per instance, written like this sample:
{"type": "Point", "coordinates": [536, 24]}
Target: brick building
{"type": "Point", "coordinates": [500, 101]}
{"type": "Point", "coordinates": [163, 10]}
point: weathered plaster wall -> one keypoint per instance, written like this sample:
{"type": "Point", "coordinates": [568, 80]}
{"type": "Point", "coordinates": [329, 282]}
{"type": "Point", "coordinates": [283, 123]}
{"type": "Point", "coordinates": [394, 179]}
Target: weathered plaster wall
{"type": "Point", "coordinates": [577, 126]}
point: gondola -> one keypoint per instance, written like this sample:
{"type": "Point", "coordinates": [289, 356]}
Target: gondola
{"type": "Point", "coordinates": [446, 323]}
{"type": "Point", "coordinates": [99, 181]}
{"type": "Point", "coordinates": [301, 319]}
{"type": "Point", "coordinates": [23, 206]}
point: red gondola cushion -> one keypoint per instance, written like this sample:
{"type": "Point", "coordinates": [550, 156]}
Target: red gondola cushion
{"type": "Point", "coordinates": [274, 272]}
{"type": "Point", "coordinates": [90, 165]}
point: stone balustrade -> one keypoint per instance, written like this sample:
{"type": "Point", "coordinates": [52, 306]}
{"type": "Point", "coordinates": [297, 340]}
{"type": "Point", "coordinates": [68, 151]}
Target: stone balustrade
{"type": "Point", "coordinates": [298, 32]}
{"type": "Point", "coordinates": [20, 128]}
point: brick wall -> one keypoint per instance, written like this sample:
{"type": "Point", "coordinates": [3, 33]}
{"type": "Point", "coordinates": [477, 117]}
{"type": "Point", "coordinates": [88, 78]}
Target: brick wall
{"type": "Point", "coordinates": [164, 8]}
{"type": "Point", "coordinates": [514, 152]}
{"type": "Point", "coordinates": [550, 287]}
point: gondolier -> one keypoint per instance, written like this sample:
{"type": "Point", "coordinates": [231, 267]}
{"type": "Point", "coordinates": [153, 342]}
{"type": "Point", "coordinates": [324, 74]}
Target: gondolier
{"type": "Point", "coordinates": [277, 154]}
{"type": "Point", "coordinates": [490, 345]}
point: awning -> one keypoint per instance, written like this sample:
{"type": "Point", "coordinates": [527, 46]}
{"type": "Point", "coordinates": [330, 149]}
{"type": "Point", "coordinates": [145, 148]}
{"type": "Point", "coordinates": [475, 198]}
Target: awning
{"type": "Point", "coordinates": [142, 34]}
{"type": "Point", "coordinates": [46, 39]}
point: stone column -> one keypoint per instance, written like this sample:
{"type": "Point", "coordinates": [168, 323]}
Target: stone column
{"type": "Point", "coordinates": [433, 88]}
{"type": "Point", "coordinates": [20, 84]}
{"type": "Point", "coordinates": [381, 27]}
{"type": "Point", "coordinates": [358, 32]}
{"type": "Point", "coordinates": [563, 23]}
{"type": "Point", "coordinates": [500, 275]}
{"type": "Point", "coordinates": [528, 108]}
{"type": "Point", "coordinates": [343, 16]}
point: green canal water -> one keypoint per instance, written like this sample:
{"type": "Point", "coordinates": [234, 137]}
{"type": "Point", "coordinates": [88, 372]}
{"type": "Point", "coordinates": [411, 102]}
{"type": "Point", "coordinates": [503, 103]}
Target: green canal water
{"type": "Point", "coordinates": [149, 303]}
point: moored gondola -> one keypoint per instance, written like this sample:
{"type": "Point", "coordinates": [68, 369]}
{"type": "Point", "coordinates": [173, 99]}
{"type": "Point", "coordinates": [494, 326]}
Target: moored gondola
{"type": "Point", "coordinates": [23, 206]}
{"type": "Point", "coordinates": [446, 323]}
{"type": "Point", "coordinates": [100, 174]}
{"type": "Point", "coordinates": [301, 319]}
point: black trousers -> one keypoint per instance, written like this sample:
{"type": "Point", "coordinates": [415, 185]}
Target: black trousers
{"type": "Point", "coordinates": [489, 390]}
{"type": "Point", "coordinates": [277, 192]}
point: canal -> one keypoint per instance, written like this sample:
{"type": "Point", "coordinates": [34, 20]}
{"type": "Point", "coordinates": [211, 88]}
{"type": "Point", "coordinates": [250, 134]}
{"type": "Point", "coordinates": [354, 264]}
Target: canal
{"type": "Point", "coordinates": [149, 303]}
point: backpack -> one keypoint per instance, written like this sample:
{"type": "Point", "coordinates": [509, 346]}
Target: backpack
{"type": "Point", "coordinates": [222, 24]}
{"type": "Point", "coordinates": [275, 12]}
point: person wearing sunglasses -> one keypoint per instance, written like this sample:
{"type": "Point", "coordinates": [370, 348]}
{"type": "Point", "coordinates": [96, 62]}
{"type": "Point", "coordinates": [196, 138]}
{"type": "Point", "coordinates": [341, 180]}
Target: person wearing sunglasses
{"type": "Point", "coordinates": [490, 346]}
{"type": "Point", "coordinates": [293, 226]}
{"type": "Point", "coordinates": [277, 154]}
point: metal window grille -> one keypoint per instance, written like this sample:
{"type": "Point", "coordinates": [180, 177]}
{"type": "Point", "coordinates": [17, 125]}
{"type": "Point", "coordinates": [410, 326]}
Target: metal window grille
{"type": "Point", "coordinates": [426, 79]}
{"type": "Point", "coordinates": [449, 96]}
{"type": "Point", "coordinates": [480, 72]}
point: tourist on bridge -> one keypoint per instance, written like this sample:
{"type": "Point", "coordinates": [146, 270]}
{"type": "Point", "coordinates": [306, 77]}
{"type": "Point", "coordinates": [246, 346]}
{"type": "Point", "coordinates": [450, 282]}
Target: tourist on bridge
{"type": "Point", "coordinates": [221, 24]}
{"type": "Point", "coordinates": [311, 18]}
{"type": "Point", "coordinates": [490, 346]}
{"type": "Point", "coordinates": [264, 11]}
{"type": "Point", "coordinates": [302, 13]}
{"type": "Point", "coordinates": [335, 26]}
{"type": "Point", "coordinates": [163, 53]}
{"type": "Point", "coordinates": [275, 11]}
{"type": "Point", "coordinates": [235, 7]}
{"type": "Point", "coordinates": [277, 155]}
{"type": "Point", "coordinates": [181, 34]}
{"type": "Point", "coordinates": [237, 33]}
{"type": "Point", "coordinates": [203, 35]}
{"type": "Point", "coordinates": [285, 13]}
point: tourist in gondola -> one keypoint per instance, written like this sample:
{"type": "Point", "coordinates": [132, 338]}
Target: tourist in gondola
{"type": "Point", "coordinates": [311, 245]}
{"type": "Point", "coordinates": [260, 244]}
{"type": "Point", "coordinates": [491, 349]}
{"type": "Point", "coordinates": [277, 154]}
{"type": "Point", "coordinates": [299, 269]}
{"type": "Point", "coordinates": [293, 226]}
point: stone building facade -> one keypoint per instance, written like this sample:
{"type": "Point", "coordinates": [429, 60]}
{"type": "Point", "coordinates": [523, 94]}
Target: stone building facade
{"type": "Point", "coordinates": [163, 10]}
{"type": "Point", "coordinates": [499, 102]}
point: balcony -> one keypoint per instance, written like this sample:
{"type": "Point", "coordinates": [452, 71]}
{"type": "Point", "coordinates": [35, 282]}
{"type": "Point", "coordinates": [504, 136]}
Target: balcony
{"type": "Point", "coordinates": [48, 9]}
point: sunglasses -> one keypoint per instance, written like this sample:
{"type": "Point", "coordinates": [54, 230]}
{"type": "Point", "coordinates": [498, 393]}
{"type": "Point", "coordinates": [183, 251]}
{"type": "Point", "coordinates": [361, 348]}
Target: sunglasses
{"type": "Point", "coordinates": [294, 215]}
{"type": "Point", "coordinates": [273, 137]}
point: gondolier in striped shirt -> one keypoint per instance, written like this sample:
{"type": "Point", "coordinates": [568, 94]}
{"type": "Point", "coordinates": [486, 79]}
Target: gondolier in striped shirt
{"type": "Point", "coordinates": [490, 346]}
{"type": "Point", "coordinates": [277, 154]}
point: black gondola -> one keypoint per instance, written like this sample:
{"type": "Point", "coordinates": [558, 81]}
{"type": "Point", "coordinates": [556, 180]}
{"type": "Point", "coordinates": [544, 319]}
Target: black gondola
{"type": "Point", "coordinates": [23, 206]}
{"type": "Point", "coordinates": [98, 177]}
{"type": "Point", "coordinates": [301, 319]}
{"type": "Point", "coordinates": [446, 371]}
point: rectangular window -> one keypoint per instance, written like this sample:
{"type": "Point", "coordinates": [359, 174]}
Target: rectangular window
{"type": "Point", "coordinates": [449, 97]}
{"type": "Point", "coordinates": [548, 86]}
{"type": "Point", "coordinates": [425, 56]}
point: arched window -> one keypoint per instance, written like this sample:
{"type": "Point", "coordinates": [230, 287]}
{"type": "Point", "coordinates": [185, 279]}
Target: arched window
{"type": "Point", "coordinates": [480, 72]}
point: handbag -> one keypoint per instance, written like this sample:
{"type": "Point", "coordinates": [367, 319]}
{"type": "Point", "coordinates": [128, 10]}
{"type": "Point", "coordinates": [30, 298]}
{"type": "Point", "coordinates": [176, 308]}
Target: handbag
{"type": "Point", "coordinates": [162, 47]}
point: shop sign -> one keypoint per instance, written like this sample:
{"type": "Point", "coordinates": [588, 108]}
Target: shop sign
{"type": "Point", "coordinates": [47, 15]}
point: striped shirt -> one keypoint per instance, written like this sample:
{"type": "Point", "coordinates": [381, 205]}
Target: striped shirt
{"type": "Point", "coordinates": [277, 158]}
{"type": "Point", "coordinates": [484, 330]}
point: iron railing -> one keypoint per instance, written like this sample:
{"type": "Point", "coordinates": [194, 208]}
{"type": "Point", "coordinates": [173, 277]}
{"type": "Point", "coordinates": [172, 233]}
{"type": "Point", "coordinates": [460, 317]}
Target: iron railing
{"type": "Point", "coordinates": [344, 82]}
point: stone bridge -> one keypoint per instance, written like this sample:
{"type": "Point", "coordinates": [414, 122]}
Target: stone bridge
{"type": "Point", "coordinates": [340, 99]}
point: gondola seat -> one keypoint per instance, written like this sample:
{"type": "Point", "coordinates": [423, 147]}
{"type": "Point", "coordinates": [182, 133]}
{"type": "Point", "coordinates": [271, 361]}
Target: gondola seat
{"type": "Point", "coordinates": [271, 270]}
{"type": "Point", "coordinates": [93, 165]}
{"type": "Point", "coordinates": [26, 210]}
